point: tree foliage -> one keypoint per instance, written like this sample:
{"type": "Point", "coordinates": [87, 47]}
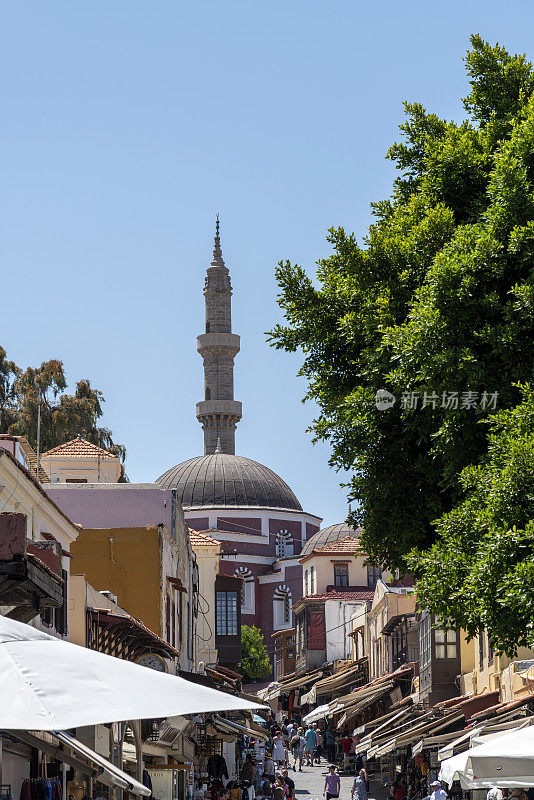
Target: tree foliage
{"type": "Point", "coordinates": [483, 560]}
{"type": "Point", "coordinates": [63, 416]}
{"type": "Point", "coordinates": [438, 299]}
{"type": "Point", "coordinates": [255, 665]}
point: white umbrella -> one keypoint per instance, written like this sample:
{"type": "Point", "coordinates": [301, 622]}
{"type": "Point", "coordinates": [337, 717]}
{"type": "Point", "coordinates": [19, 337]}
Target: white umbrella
{"type": "Point", "coordinates": [508, 757]}
{"type": "Point", "coordinates": [48, 684]}
{"type": "Point", "coordinates": [505, 761]}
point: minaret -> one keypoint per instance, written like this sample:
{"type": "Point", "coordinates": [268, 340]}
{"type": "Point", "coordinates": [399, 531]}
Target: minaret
{"type": "Point", "coordinates": [218, 413]}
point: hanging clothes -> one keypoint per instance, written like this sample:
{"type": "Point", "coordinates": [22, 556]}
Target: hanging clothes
{"type": "Point", "coordinates": [41, 789]}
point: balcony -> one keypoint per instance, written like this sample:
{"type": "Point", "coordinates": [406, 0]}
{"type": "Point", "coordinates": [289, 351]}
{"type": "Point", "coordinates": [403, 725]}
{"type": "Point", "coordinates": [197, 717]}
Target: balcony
{"type": "Point", "coordinates": [31, 578]}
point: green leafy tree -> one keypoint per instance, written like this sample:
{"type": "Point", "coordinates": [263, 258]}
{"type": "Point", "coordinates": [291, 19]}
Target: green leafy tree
{"type": "Point", "coordinates": [438, 299]}
{"type": "Point", "coordinates": [255, 665]}
{"type": "Point", "coordinates": [63, 416]}
{"type": "Point", "coordinates": [482, 564]}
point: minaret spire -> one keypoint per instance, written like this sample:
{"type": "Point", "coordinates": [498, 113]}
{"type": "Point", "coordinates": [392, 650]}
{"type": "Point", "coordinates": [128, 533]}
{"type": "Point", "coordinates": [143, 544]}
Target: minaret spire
{"type": "Point", "coordinates": [217, 252]}
{"type": "Point", "coordinates": [218, 413]}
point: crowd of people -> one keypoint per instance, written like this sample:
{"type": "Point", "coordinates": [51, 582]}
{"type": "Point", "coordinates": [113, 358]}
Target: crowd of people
{"type": "Point", "coordinates": [293, 745]}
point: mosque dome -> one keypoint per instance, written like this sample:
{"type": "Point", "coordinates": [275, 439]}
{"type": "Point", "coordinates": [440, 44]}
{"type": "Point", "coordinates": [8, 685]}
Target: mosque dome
{"type": "Point", "coordinates": [223, 479]}
{"type": "Point", "coordinates": [331, 534]}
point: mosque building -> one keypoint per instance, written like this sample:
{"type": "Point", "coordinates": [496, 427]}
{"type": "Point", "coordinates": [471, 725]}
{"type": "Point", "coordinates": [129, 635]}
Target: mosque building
{"type": "Point", "coordinates": [243, 504]}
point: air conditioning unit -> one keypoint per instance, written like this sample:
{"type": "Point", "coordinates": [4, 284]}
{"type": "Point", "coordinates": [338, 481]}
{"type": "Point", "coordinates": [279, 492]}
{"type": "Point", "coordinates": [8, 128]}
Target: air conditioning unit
{"type": "Point", "coordinates": [107, 593]}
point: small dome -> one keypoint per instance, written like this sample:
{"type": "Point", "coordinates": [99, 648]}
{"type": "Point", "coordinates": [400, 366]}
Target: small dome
{"type": "Point", "coordinates": [221, 479]}
{"type": "Point", "coordinates": [331, 534]}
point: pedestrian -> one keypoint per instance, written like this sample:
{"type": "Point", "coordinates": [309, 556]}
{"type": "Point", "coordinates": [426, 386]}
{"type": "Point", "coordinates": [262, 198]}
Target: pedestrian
{"type": "Point", "coordinates": [437, 792]}
{"type": "Point", "coordinates": [359, 787]}
{"type": "Point", "coordinates": [297, 748]}
{"type": "Point", "coordinates": [400, 789]}
{"type": "Point", "coordinates": [268, 767]}
{"type": "Point", "coordinates": [330, 740]}
{"type": "Point", "coordinates": [249, 770]}
{"type": "Point", "coordinates": [332, 783]}
{"type": "Point", "coordinates": [280, 790]}
{"type": "Point", "coordinates": [279, 751]}
{"type": "Point", "coordinates": [309, 746]}
{"type": "Point", "coordinates": [319, 745]}
{"type": "Point", "coordinates": [290, 726]}
{"type": "Point", "coordinates": [494, 794]}
{"type": "Point", "coordinates": [346, 744]}
{"type": "Point", "coordinates": [290, 783]}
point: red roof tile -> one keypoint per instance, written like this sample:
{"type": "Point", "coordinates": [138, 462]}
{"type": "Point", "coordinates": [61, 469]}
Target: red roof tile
{"type": "Point", "coordinates": [197, 537]}
{"type": "Point", "coordinates": [358, 594]}
{"type": "Point", "coordinates": [78, 448]}
{"type": "Point", "coordinates": [349, 544]}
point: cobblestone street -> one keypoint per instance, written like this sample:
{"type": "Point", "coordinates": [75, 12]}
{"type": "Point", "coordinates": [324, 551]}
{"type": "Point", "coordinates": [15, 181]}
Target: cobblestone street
{"type": "Point", "coordinates": [309, 784]}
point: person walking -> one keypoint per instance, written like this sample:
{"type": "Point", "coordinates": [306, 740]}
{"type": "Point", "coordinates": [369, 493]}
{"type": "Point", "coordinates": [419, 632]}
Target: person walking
{"type": "Point", "coordinates": [290, 784]}
{"type": "Point", "coordinates": [309, 746]}
{"type": "Point", "coordinates": [279, 751]}
{"type": "Point", "coordinates": [359, 787]}
{"type": "Point", "coordinates": [330, 741]}
{"type": "Point", "coordinates": [297, 748]}
{"type": "Point", "coordinates": [332, 783]}
{"type": "Point", "coordinates": [280, 789]}
{"type": "Point", "coordinates": [346, 744]}
{"type": "Point", "coordinates": [269, 770]}
{"type": "Point", "coordinates": [319, 745]}
{"type": "Point", "coordinates": [437, 792]}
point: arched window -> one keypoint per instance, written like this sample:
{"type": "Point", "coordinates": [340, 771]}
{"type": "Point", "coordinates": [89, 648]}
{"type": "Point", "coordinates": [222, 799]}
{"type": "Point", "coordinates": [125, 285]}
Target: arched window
{"type": "Point", "coordinates": [207, 393]}
{"type": "Point", "coordinates": [284, 544]}
{"type": "Point", "coordinates": [282, 612]}
{"type": "Point", "coordinates": [247, 590]}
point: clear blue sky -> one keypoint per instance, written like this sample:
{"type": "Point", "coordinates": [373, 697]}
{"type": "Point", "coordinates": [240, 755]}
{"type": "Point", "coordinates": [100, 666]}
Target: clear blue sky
{"type": "Point", "coordinates": [127, 125]}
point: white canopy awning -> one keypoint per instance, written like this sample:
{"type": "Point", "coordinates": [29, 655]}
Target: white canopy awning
{"type": "Point", "coordinates": [318, 713]}
{"type": "Point", "coordinates": [506, 761]}
{"type": "Point", "coordinates": [82, 759]}
{"type": "Point", "coordinates": [49, 684]}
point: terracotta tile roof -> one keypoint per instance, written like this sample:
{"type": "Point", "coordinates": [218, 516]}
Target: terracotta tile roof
{"type": "Point", "coordinates": [349, 544]}
{"type": "Point", "coordinates": [200, 538]}
{"type": "Point", "coordinates": [357, 594]}
{"type": "Point", "coordinates": [78, 448]}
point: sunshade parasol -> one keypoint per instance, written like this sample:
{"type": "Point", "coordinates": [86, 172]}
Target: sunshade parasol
{"type": "Point", "coordinates": [49, 684]}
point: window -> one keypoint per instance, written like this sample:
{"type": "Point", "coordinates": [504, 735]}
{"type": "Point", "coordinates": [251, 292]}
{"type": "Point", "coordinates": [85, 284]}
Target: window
{"type": "Point", "coordinates": [226, 611]}
{"type": "Point", "coordinates": [481, 649]}
{"type": "Point", "coordinates": [180, 617]}
{"type": "Point", "coordinates": [168, 619]}
{"type": "Point", "coordinates": [425, 640]}
{"type": "Point", "coordinates": [445, 641]}
{"type": "Point", "coordinates": [173, 622]}
{"type": "Point", "coordinates": [287, 608]}
{"type": "Point", "coordinates": [491, 652]}
{"type": "Point", "coordinates": [373, 576]}
{"type": "Point", "coordinates": [284, 544]}
{"type": "Point", "coordinates": [75, 480]}
{"type": "Point", "coordinates": [247, 589]}
{"type": "Point", "coordinates": [47, 617]}
{"type": "Point", "coordinates": [61, 614]}
{"type": "Point", "coordinates": [282, 608]}
{"type": "Point", "coordinates": [306, 588]}
{"type": "Point", "coordinates": [207, 393]}
{"type": "Point", "coordinates": [312, 580]}
{"type": "Point", "coordinates": [341, 575]}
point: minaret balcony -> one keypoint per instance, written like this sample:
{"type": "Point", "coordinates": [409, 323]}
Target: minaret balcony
{"type": "Point", "coordinates": [227, 408]}
{"type": "Point", "coordinates": [224, 344]}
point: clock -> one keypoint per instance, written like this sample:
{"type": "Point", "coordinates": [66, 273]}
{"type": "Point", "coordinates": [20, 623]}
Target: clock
{"type": "Point", "coordinates": [152, 661]}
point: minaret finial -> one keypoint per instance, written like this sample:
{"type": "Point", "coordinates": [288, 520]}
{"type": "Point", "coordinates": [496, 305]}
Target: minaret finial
{"type": "Point", "coordinates": [218, 412]}
{"type": "Point", "coordinates": [217, 252]}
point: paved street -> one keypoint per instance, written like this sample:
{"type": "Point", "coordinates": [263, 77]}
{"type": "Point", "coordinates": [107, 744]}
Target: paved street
{"type": "Point", "coordinates": [309, 784]}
